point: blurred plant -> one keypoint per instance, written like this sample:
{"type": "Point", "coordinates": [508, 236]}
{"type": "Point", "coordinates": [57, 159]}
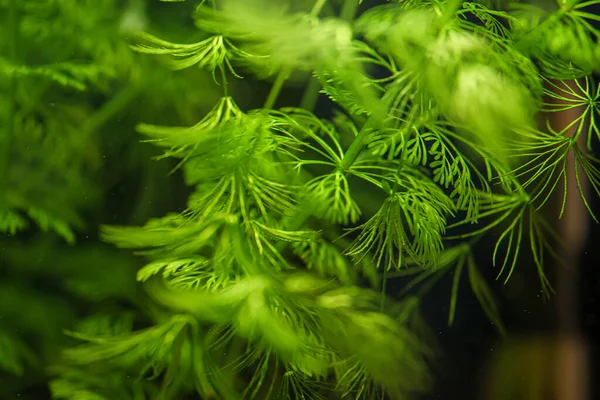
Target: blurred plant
{"type": "Point", "coordinates": [66, 75]}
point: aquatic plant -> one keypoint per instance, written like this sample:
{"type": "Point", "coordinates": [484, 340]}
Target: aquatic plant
{"type": "Point", "coordinates": [272, 283]}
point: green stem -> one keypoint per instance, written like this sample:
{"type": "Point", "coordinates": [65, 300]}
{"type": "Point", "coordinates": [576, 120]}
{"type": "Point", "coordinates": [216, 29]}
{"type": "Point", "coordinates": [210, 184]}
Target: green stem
{"type": "Point", "coordinates": [111, 108]}
{"type": "Point", "coordinates": [285, 73]}
{"type": "Point", "coordinates": [349, 10]}
{"type": "Point", "coordinates": [451, 8]}
{"type": "Point", "coordinates": [311, 95]}
{"type": "Point", "coordinates": [276, 88]}
{"type": "Point", "coordinates": [375, 120]}
{"type": "Point", "coordinates": [224, 80]}
{"type": "Point", "coordinates": [358, 144]}
{"type": "Point", "coordinates": [383, 289]}
{"type": "Point", "coordinates": [316, 10]}
{"type": "Point", "coordinates": [570, 4]}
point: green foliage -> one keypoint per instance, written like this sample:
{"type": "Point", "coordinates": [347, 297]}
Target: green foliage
{"type": "Point", "coordinates": [36, 74]}
{"type": "Point", "coordinates": [58, 62]}
{"type": "Point", "coordinates": [255, 289]}
{"type": "Point", "coordinates": [66, 73]}
{"type": "Point", "coordinates": [436, 136]}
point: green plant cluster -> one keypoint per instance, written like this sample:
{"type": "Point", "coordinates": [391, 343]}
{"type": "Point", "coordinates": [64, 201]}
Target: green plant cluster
{"type": "Point", "coordinates": [271, 283]}
{"type": "Point", "coordinates": [68, 79]}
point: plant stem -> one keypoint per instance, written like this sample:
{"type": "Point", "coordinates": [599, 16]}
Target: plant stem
{"type": "Point", "coordinates": [383, 289]}
{"type": "Point", "coordinates": [316, 10]}
{"type": "Point", "coordinates": [285, 73]}
{"type": "Point", "coordinates": [349, 10]}
{"type": "Point", "coordinates": [357, 144]}
{"type": "Point", "coordinates": [276, 88]}
{"type": "Point", "coordinates": [377, 117]}
{"type": "Point", "coordinates": [224, 82]}
{"type": "Point", "coordinates": [451, 8]}
{"type": "Point", "coordinates": [111, 108]}
{"type": "Point", "coordinates": [311, 95]}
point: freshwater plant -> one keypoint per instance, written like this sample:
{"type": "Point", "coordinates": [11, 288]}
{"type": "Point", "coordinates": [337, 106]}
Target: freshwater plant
{"type": "Point", "coordinates": [273, 282]}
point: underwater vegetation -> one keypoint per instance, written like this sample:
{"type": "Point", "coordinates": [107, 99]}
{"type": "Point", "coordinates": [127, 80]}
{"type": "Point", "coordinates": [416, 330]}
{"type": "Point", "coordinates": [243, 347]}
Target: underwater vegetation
{"type": "Point", "coordinates": [257, 232]}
